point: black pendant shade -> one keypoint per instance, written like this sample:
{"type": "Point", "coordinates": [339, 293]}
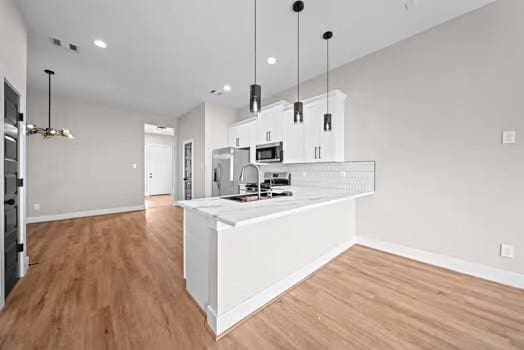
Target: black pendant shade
{"type": "Point", "coordinates": [48, 132]}
{"type": "Point", "coordinates": [298, 110]}
{"type": "Point", "coordinates": [327, 117]}
{"type": "Point", "coordinates": [255, 90]}
{"type": "Point", "coordinates": [255, 98]}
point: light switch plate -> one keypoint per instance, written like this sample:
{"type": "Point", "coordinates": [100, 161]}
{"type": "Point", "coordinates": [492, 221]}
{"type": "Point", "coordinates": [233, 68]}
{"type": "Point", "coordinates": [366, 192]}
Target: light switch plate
{"type": "Point", "coordinates": [36, 206]}
{"type": "Point", "coordinates": [507, 251]}
{"type": "Point", "coordinates": [134, 165]}
{"type": "Point", "coordinates": [509, 137]}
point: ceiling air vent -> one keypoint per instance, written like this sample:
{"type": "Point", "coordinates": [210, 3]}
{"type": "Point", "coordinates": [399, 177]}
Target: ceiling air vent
{"type": "Point", "coordinates": [66, 46]}
{"type": "Point", "coordinates": [55, 41]}
{"type": "Point", "coordinates": [73, 47]}
{"type": "Point", "coordinates": [215, 92]}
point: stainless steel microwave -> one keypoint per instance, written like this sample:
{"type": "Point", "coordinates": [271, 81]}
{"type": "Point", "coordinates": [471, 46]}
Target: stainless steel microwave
{"type": "Point", "coordinates": [270, 153]}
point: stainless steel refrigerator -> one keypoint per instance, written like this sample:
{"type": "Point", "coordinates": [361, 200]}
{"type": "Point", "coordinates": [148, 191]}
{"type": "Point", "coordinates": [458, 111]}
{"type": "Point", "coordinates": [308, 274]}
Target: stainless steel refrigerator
{"type": "Point", "coordinates": [227, 164]}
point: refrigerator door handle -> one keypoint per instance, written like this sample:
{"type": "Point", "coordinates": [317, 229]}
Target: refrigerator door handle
{"type": "Point", "coordinates": [219, 176]}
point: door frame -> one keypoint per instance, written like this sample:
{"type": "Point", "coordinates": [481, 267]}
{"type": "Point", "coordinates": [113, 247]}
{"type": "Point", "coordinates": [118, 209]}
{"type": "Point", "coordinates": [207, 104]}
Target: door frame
{"type": "Point", "coordinates": [183, 167]}
{"type": "Point", "coordinates": [147, 167]}
{"type": "Point", "coordinates": [23, 260]}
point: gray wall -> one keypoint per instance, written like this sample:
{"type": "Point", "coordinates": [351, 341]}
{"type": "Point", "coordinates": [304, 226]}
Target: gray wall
{"type": "Point", "coordinates": [218, 121]}
{"type": "Point", "coordinates": [13, 46]}
{"type": "Point", "coordinates": [208, 126]}
{"type": "Point", "coordinates": [191, 126]}
{"type": "Point", "coordinates": [93, 171]}
{"type": "Point", "coordinates": [430, 111]}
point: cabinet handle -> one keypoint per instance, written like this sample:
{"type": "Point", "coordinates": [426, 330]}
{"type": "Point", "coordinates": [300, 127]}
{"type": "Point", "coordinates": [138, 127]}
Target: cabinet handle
{"type": "Point", "coordinates": [269, 135]}
{"type": "Point", "coordinates": [315, 152]}
{"type": "Point", "coordinates": [238, 141]}
{"type": "Point", "coordinates": [319, 156]}
{"type": "Point", "coordinates": [266, 136]}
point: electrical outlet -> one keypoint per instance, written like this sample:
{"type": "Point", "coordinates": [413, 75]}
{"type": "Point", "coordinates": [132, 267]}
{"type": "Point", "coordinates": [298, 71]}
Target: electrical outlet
{"type": "Point", "coordinates": [36, 206]}
{"type": "Point", "coordinates": [507, 251]}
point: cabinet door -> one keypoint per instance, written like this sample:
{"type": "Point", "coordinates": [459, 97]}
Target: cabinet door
{"type": "Point", "coordinates": [233, 136]}
{"type": "Point", "coordinates": [242, 135]}
{"type": "Point", "coordinates": [312, 126]}
{"type": "Point", "coordinates": [293, 139]}
{"type": "Point", "coordinates": [270, 126]}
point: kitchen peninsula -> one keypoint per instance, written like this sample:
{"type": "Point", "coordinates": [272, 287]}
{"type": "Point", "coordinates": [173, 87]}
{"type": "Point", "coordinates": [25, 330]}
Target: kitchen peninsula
{"type": "Point", "coordinates": [239, 256]}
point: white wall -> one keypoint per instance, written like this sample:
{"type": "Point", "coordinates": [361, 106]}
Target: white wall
{"type": "Point", "coordinates": [156, 139]}
{"type": "Point", "coordinates": [218, 121]}
{"type": "Point", "coordinates": [93, 171]}
{"type": "Point", "coordinates": [208, 126]}
{"type": "Point", "coordinates": [430, 111]}
{"type": "Point", "coordinates": [191, 126]}
{"type": "Point", "coordinates": [13, 46]}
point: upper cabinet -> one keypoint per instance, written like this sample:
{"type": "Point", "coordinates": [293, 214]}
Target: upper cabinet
{"type": "Point", "coordinates": [321, 145]}
{"type": "Point", "coordinates": [270, 124]}
{"type": "Point", "coordinates": [305, 142]}
{"type": "Point", "coordinates": [242, 135]}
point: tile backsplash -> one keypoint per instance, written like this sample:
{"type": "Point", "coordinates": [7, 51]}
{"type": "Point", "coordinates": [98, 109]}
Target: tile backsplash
{"type": "Point", "coordinates": [353, 177]}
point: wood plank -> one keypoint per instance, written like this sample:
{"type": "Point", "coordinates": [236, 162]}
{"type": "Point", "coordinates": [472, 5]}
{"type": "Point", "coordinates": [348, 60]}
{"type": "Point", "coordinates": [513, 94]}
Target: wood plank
{"type": "Point", "coordinates": [115, 282]}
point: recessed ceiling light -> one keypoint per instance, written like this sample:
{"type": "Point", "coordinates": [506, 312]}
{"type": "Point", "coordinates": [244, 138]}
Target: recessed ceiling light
{"type": "Point", "coordinates": [227, 88]}
{"type": "Point", "coordinates": [271, 60]}
{"type": "Point", "coordinates": [99, 43]}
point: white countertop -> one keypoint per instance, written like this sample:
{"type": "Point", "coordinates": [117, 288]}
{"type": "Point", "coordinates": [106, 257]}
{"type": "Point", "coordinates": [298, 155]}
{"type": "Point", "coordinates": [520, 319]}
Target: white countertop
{"type": "Point", "coordinates": [243, 213]}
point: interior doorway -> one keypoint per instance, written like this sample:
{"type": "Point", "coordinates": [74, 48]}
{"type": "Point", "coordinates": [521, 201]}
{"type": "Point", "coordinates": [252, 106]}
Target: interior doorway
{"type": "Point", "coordinates": [187, 155]}
{"type": "Point", "coordinates": [159, 166]}
{"type": "Point", "coordinates": [11, 244]}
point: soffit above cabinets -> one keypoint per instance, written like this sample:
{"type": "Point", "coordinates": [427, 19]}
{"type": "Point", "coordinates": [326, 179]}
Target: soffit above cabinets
{"type": "Point", "coordinates": [165, 56]}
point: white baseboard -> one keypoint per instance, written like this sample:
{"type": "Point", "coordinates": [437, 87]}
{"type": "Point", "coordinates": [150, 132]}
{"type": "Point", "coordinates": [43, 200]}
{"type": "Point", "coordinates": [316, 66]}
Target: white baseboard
{"type": "Point", "coordinates": [473, 269]}
{"type": "Point", "coordinates": [81, 214]}
{"type": "Point", "coordinates": [222, 323]}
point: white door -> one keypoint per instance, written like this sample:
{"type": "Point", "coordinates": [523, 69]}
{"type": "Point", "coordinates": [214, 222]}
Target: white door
{"type": "Point", "coordinates": [160, 169]}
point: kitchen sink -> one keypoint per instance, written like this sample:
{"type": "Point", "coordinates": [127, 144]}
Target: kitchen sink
{"type": "Point", "coordinates": [251, 197]}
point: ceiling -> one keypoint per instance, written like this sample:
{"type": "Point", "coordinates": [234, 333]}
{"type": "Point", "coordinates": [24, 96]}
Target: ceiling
{"type": "Point", "coordinates": [165, 56]}
{"type": "Point", "coordinates": [158, 130]}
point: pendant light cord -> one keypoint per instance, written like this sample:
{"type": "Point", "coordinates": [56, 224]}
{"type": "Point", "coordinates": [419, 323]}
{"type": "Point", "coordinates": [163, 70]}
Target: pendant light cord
{"type": "Point", "coordinates": [298, 56]}
{"type": "Point", "coordinates": [255, 41]}
{"type": "Point", "coordinates": [327, 76]}
{"type": "Point", "coordinates": [49, 105]}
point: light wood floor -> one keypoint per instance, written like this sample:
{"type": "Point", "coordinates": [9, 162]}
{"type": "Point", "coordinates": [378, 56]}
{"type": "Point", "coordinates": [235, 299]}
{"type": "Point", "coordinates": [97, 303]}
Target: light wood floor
{"type": "Point", "coordinates": [115, 282]}
{"type": "Point", "coordinates": [158, 201]}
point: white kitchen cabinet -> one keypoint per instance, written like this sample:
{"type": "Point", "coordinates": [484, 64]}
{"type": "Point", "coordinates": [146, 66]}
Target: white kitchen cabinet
{"type": "Point", "coordinates": [305, 142]}
{"type": "Point", "coordinates": [308, 142]}
{"type": "Point", "coordinates": [293, 143]}
{"type": "Point", "coordinates": [270, 124]}
{"type": "Point", "coordinates": [242, 135]}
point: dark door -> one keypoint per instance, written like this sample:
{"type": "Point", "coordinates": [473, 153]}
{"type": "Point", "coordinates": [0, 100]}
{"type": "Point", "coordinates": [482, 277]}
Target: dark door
{"type": "Point", "coordinates": [11, 213]}
{"type": "Point", "coordinates": [188, 171]}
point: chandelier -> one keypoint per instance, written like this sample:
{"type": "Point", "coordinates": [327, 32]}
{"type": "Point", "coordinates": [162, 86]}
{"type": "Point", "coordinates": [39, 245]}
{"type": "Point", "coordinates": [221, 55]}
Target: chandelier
{"type": "Point", "coordinates": [48, 132]}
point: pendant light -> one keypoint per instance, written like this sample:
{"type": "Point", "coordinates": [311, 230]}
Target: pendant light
{"type": "Point", "coordinates": [298, 108]}
{"type": "Point", "coordinates": [49, 131]}
{"type": "Point", "coordinates": [255, 90]}
{"type": "Point", "coordinates": [327, 117]}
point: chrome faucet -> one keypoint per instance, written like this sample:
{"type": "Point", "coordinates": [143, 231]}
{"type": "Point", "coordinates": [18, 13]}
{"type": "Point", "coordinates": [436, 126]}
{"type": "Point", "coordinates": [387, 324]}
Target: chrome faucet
{"type": "Point", "coordinates": [258, 175]}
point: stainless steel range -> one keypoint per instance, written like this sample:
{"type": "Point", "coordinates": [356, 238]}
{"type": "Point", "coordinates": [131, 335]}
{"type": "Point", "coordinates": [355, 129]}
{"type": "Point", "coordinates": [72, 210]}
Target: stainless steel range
{"type": "Point", "coordinates": [271, 182]}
